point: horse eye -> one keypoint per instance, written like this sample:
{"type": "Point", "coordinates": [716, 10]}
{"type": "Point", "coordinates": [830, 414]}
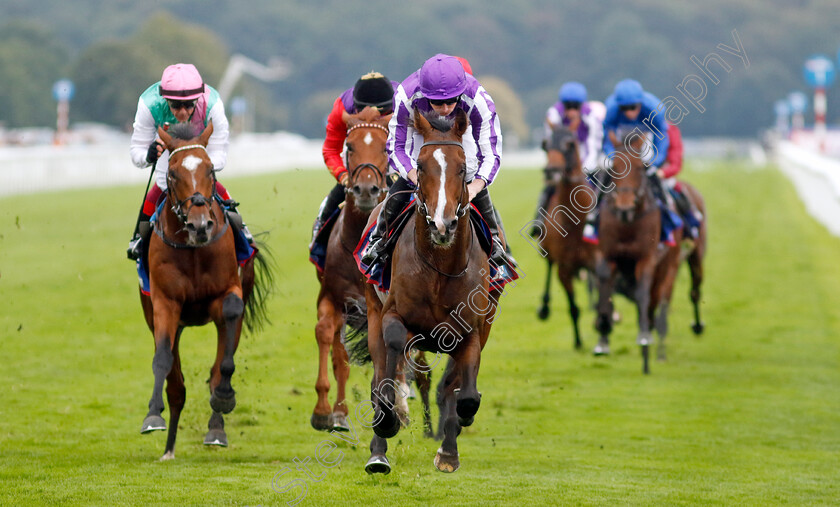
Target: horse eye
{"type": "Point", "coordinates": [349, 147]}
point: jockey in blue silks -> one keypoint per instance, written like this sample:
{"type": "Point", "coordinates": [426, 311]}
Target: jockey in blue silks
{"type": "Point", "coordinates": [629, 108]}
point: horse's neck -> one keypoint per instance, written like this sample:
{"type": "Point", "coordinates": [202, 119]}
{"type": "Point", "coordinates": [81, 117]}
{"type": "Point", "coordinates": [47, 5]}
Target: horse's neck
{"type": "Point", "coordinates": [451, 259]}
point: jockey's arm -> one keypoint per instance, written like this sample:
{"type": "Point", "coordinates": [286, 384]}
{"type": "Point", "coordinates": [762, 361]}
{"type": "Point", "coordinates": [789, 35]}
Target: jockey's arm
{"type": "Point", "coordinates": [143, 134]}
{"type": "Point", "coordinates": [217, 145]}
{"type": "Point", "coordinates": [594, 141]}
{"type": "Point", "coordinates": [333, 147]}
{"type": "Point", "coordinates": [400, 131]}
{"type": "Point", "coordinates": [485, 121]}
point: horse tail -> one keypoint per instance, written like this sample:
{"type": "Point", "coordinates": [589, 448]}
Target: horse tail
{"type": "Point", "coordinates": [355, 334]}
{"type": "Point", "coordinates": [262, 286]}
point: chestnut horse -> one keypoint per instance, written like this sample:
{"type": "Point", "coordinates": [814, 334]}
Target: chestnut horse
{"type": "Point", "coordinates": [562, 235]}
{"type": "Point", "coordinates": [341, 282]}
{"type": "Point", "coordinates": [630, 252]}
{"type": "Point", "coordinates": [438, 299]}
{"type": "Point", "coordinates": [194, 278]}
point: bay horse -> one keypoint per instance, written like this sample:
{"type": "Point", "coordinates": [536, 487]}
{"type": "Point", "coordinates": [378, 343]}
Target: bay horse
{"type": "Point", "coordinates": [562, 235]}
{"type": "Point", "coordinates": [438, 299]}
{"type": "Point", "coordinates": [630, 252]}
{"type": "Point", "coordinates": [194, 278]}
{"type": "Point", "coordinates": [695, 255]}
{"type": "Point", "coordinates": [342, 285]}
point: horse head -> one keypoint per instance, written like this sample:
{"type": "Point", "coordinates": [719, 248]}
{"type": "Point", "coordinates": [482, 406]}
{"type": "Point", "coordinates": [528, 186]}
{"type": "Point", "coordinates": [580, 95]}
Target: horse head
{"type": "Point", "coordinates": [563, 158]}
{"type": "Point", "coordinates": [628, 172]}
{"type": "Point", "coordinates": [366, 157]}
{"type": "Point", "coordinates": [191, 181]}
{"type": "Point", "coordinates": [441, 174]}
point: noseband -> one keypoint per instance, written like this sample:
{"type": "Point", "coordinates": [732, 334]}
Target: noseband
{"type": "Point", "coordinates": [461, 210]}
{"type": "Point", "coordinates": [568, 156]}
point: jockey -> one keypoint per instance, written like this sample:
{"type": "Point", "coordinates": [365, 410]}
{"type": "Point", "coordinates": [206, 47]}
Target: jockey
{"type": "Point", "coordinates": [630, 107]}
{"type": "Point", "coordinates": [441, 86]}
{"type": "Point", "coordinates": [179, 97]}
{"type": "Point", "coordinates": [586, 119]}
{"type": "Point", "coordinates": [372, 89]}
{"type": "Point", "coordinates": [668, 173]}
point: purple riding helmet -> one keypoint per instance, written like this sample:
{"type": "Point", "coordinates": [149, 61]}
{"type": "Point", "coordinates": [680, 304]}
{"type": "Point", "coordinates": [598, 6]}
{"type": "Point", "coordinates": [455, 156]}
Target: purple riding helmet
{"type": "Point", "coordinates": [442, 77]}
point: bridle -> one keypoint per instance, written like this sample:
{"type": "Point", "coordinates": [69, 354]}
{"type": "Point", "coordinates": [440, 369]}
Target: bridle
{"type": "Point", "coordinates": [461, 210]}
{"type": "Point", "coordinates": [182, 207]}
{"type": "Point", "coordinates": [356, 172]}
{"type": "Point", "coordinates": [568, 156]}
{"type": "Point", "coordinates": [639, 194]}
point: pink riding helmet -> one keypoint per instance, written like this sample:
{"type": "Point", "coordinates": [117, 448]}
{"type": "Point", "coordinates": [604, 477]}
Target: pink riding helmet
{"type": "Point", "coordinates": [442, 77]}
{"type": "Point", "coordinates": [181, 82]}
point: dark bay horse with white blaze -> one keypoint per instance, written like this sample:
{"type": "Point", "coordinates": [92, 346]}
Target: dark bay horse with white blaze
{"type": "Point", "coordinates": [341, 281]}
{"type": "Point", "coordinates": [630, 251]}
{"type": "Point", "coordinates": [438, 299]}
{"type": "Point", "coordinates": [195, 279]}
{"type": "Point", "coordinates": [561, 236]}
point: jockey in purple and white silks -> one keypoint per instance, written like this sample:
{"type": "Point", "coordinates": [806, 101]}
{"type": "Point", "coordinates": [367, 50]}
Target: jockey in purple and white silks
{"type": "Point", "coordinates": [440, 87]}
{"type": "Point", "coordinates": [585, 119]}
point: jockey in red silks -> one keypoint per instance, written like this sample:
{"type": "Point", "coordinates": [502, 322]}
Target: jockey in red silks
{"type": "Point", "coordinates": [371, 90]}
{"type": "Point", "coordinates": [668, 174]}
{"type": "Point", "coordinates": [181, 96]}
{"type": "Point", "coordinates": [440, 87]}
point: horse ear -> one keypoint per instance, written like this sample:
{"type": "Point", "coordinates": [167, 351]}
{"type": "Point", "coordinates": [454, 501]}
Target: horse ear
{"type": "Point", "coordinates": [346, 118]}
{"type": "Point", "coordinates": [421, 124]}
{"type": "Point", "coordinates": [204, 138]}
{"type": "Point", "coordinates": [613, 139]}
{"type": "Point", "coordinates": [461, 122]}
{"type": "Point", "coordinates": [165, 137]}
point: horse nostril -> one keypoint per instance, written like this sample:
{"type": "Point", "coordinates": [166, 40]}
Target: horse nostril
{"type": "Point", "coordinates": [374, 190]}
{"type": "Point", "coordinates": [357, 189]}
{"type": "Point", "coordinates": [209, 224]}
{"type": "Point", "coordinates": [190, 226]}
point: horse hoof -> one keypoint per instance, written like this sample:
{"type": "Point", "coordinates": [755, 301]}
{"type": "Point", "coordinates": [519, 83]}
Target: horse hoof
{"type": "Point", "coordinates": [339, 422]}
{"type": "Point", "coordinates": [698, 328]}
{"type": "Point", "coordinates": [321, 422]}
{"type": "Point", "coordinates": [378, 465]}
{"type": "Point", "coordinates": [152, 423]}
{"type": "Point", "coordinates": [216, 437]}
{"type": "Point", "coordinates": [169, 455]}
{"type": "Point", "coordinates": [644, 339]}
{"type": "Point", "coordinates": [446, 463]}
{"type": "Point", "coordinates": [223, 404]}
{"type": "Point", "coordinates": [601, 350]}
{"type": "Point", "coordinates": [543, 313]}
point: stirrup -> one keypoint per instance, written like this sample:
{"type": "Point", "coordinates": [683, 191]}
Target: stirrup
{"type": "Point", "coordinates": [134, 249]}
{"type": "Point", "coordinates": [372, 252]}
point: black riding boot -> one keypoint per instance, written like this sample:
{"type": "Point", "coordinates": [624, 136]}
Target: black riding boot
{"type": "Point", "coordinates": [236, 219]}
{"type": "Point", "coordinates": [328, 207]}
{"type": "Point", "coordinates": [591, 225]}
{"type": "Point", "coordinates": [140, 236]}
{"type": "Point", "coordinates": [545, 196]}
{"type": "Point", "coordinates": [484, 206]}
{"type": "Point", "coordinates": [686, 208]}
{"type": "Point", "coordinates": [396, 200]}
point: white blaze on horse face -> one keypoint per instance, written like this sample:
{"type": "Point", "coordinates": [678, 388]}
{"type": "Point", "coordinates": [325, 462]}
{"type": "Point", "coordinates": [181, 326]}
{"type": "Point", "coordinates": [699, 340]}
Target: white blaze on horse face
{"type": "Point", "coordinates": [368, 139]}
{"type": "Point", "coordinates": [191, 163]}
{"type": "Point", "coordinates": [441, 203]}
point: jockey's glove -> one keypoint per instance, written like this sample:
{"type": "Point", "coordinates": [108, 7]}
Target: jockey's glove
{"type": "Point", "coordinates": [152, 154]}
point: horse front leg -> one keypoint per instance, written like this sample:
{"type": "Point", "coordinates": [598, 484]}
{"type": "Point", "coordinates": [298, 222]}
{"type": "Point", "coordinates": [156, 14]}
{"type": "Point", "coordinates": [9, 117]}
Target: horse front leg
{"type": "Point", "coordinates": [644, 279]}
{"type": "Point", "coordinates": [606, 274]}
{"type": "Point", "coordinates": [324, 334]}
{"type": "Point", "coordinates": [341, 372]}
{"type": "Point", "coordinates": [222, 395]}
{"type": "Point", "coordinates": [446, 458]}
{"type": "Point", "coordinates": [394, 334]}
{"type": "Point", "coordinates": [176, 395]}
{"type": "Point", "coordinates": [567, 279]}
{"type": "Point", "coordinates": [166, 316]}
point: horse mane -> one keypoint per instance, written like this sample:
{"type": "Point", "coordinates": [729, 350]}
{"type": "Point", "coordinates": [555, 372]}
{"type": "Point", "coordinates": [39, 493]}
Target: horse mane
{"type": "Point", "coordinates": [183, 131]}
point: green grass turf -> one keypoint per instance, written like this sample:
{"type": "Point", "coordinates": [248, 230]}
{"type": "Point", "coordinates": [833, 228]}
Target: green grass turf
{"type": "Point", "coordinates": [747, 414]}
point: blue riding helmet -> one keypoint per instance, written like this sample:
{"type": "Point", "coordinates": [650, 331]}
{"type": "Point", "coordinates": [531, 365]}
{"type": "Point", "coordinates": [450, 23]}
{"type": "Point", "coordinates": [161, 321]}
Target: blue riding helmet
{"type": "Point", "coordinates": [442, 77]}
{"type": "Point", "coordinates": [572, 92]}
{"type": "Point", "coordinates": [628, 92]}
